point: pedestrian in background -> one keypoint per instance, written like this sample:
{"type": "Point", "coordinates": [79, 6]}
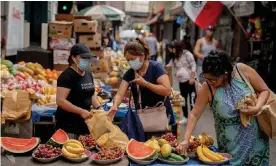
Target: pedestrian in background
{"type": "Point", "coordinates": [153, 44]}
{"type": "Point", "coordinates": [223, 89]}
{"type": "Point", "coordinates": [204, 46]}
{"type": "Point", "coordinates": [184, 62]}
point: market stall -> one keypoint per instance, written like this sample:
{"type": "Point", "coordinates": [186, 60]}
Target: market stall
{"type": "Point", "coordinates": [29, 91]}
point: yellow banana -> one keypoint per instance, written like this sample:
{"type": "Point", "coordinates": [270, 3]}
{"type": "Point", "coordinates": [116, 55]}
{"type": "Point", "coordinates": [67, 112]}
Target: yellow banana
{"type": "Point", "coordinates": [73, 141]}
{"type": "Point", "coordinates": [68, 154]}
{"type": "Point", "coordinates": [201, 155]}
{"type": "Point", "coordinates": [243, 119]}
{"type": "Point", "coordinates": [211, 155]}
{"type": "Point", "coordinates": [73, 145]}
{"type": "Point", "coordinates": [74, 150]}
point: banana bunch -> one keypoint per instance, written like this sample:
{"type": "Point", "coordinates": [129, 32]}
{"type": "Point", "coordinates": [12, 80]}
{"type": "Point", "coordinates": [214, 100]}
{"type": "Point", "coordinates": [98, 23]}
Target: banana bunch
{"type": "Point", "coordinates": [205, 154]}
{"type": "Point", "coordinates": [205, 139]}
{"type": "Point", "coordinates": [44, 100]}
{"type": "Point", "coordinates": [153, 143]}
{"type": "Point", "coordinates": [72, 149]}
{"type": "Point", "coordinates": [249, 100]}
{"type": "Point", "coordinates": [49, 90]}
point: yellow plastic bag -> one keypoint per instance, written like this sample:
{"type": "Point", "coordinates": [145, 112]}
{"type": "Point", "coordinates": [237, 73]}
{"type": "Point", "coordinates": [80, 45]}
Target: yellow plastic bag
{"type": "Point", "coordinates": [105, 132]}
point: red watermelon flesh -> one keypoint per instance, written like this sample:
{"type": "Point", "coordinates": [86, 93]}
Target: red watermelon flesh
{"type": "Point", "coordinates": [19, 145]}
{"type": "Point", "coordinates": [139, 151]}
{"type": "Point", "coordinates": [58, 139]}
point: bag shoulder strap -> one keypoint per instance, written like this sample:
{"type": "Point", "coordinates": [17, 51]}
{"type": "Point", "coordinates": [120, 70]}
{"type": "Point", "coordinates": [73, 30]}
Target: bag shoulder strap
{"type": "Point", "coordinates": [243, 77]}
{"type": "Point", "coordinates": [211, 95]}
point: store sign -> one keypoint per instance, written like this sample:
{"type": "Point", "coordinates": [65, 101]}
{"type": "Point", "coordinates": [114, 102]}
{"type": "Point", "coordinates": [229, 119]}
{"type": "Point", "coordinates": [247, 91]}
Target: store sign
{"type": "Point", "coordinates": [242, 9]}
{"type": "Point", "coordinates": [137, 6]}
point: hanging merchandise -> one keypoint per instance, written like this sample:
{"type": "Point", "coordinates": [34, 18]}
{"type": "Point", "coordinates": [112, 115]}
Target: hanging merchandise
{"type": "Point", "coordinates": [254, 30]}
{"type": "Point", "coordinates": [179, 20]}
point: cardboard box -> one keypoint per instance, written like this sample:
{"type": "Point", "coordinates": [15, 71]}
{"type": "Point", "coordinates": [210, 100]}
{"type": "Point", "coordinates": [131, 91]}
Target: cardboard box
{"type": "Point", "coordinates": [64, 17]}
{"type": "Point", "coordinates": [61, 57]}
{"type": "Point", "coordinates": [60, 68]}
{"type": "Point", "coordinates": [83, 25]}
{"type": "Point", "coordinates": [60, 29]}
{"type": "Point", "coordinates": [92, 41]}
{"type": "Point", "coordinates": [61, 43]}
{"type": "Point", "coordinates": [99, 54]}
{"type": "Point", "coordinates": [100, 66]}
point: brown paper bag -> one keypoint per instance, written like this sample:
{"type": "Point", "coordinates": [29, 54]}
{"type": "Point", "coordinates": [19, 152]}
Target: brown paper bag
{"type": "Point", "coordinates": [16, 105]}
{"type": "Point", "coordinates": [104, 131]}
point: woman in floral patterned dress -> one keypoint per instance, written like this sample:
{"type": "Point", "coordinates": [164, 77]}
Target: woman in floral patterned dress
{"type": "Point", "coordinates": [249, 146]}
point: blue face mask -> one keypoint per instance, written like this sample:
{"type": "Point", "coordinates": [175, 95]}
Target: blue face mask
{"type": "Point", "coordinates": [84, 64]}
{"type": "Point", "coordinates": [135, 64]}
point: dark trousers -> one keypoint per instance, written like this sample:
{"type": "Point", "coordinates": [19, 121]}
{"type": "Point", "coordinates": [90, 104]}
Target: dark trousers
{"type": "Point", "coordinates": [153, 57]}
{"type": "Point", "coordinates": [186, 90]}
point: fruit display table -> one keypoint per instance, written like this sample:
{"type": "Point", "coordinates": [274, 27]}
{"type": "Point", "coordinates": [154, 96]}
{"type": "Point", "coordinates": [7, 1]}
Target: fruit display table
{"type": "Point", "coordinates": [27, 160]}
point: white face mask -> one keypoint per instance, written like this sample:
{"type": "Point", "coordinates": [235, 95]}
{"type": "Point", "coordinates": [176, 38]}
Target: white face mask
{"type": "Point", "coordinates": [136, 64]}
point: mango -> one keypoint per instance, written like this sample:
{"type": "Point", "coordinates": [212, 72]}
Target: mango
{"type": "Point", "coordinates": [161, 142]}
{"type": "Point", "coordinates": [166, 150]}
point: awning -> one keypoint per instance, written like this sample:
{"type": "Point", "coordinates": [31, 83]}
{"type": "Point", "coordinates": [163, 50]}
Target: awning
{"type": "Point", "coordinates": [103, 12]}
{"type": "Point", "coordinates": [155, 18]}
{"type": "Point", "coordinates": [176, 10]}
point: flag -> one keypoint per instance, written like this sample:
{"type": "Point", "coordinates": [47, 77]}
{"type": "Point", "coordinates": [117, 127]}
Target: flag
{"type": "Point", "coordinates": [203, 13]}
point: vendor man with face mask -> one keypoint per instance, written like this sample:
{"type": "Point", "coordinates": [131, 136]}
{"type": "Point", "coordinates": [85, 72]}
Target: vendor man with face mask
{"type": "Point", "coordinates": [75, 93]}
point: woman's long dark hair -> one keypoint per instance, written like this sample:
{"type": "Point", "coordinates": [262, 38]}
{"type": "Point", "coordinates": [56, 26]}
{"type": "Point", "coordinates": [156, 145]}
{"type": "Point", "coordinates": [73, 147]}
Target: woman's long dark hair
{"type": "Point", "coordinates": [217, 63]}
{"type": "Point", "coordinates": [180, 47]}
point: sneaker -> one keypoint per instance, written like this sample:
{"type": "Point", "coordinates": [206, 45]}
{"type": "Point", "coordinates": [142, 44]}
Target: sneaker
{"type": "Point", "coordinates": [183, 121]}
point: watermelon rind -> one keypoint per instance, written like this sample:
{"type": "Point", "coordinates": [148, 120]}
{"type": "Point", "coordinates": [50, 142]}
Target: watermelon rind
{"type": "Point", "coordinates": [56, 143]}
{"type": "Point", "coordinates": [9, 149]}
{"type": "Point", "coordinates": [151, 155]}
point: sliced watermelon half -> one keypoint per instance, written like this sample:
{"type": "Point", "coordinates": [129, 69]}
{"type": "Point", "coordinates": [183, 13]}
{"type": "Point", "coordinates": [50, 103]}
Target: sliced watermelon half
{"type": "Point", "coordinates": [139, 151]}
{"type": "Point", "coordinates": [19, 145]}
{"type": "Point", "coordinates": [58, 139]}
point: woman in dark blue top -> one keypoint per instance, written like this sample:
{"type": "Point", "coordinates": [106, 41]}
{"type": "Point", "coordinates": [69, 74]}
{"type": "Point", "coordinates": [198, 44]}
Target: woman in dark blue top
{"type": "Point", "coordinates": [152, 78]}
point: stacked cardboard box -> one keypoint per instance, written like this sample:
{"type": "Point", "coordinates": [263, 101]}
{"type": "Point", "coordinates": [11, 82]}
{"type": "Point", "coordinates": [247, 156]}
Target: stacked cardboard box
{"type": "Point", "coordinates": [61, 40]}
{"type": "Point", "coordinates": [88, 32]}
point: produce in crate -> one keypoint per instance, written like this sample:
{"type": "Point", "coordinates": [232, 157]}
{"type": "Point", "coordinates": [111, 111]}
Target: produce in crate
{"type": "Point", "coordinates": [46, 99]}
{"type": "Point", "coordinates": [87, 141]}
{"type": "Point", "coordinates": [137, 150]}
{"type": "Point", "coordinates": [8, 64]}
{"type": "Point", "coordinates": [19, 145]}
{"type": "Point", "coordinates": [49, 90]}
{"type": "Point", "coordinates": [58, 139]}
{"type": "Point", "coordinates": [47, 151]}
{"type": "Point", "coordinates": [73, 149]}
{"type": "Point", "coordinates": [171, 139]}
